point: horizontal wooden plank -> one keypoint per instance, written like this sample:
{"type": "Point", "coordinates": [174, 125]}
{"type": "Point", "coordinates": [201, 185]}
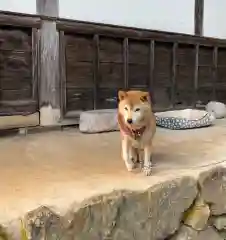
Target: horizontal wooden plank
{"type": "Point", "coordinates": [183, 97]}
{"type": "Point", "coordinates": [221, 73]}
{"type": "Point", "coordinates": [19, 121]}
{"type": "Point", "coordinates": [185, 54]}
{"type": "Point", "coordinates": [18, 107]}
{"type": "Point", "coordinates": [107, 98]}
{"type": "Point", "coordinates": [18, 94]}
{"type": "Point", "coordinates": [221, 94]}
{"type": "Point", "coordinates": [79, 48]}
{"type": "Point", "coordinates": [138, 74]}
{"type": "Point", "coordinates": [110, 75]}
{"type": "Point", "coordinates": [80, 74]}
{"type": "Point", "coordinates": [138, 52]}
{"type": "Point", "coordinates": [161, 97]}
{"type": "Point", "coordinates": [205, 75]}
{"type": "Point", "coordinates": [205, 94]}
{"type": "Point", "coordinates": [111, 50]}
{"type": "Point", "coordinates": [221, 56]}
{"type": "Point", "coordinates": [163, 65]}
{"type": "Point", "coordinates": [206, 55]}
{"type": "Point", "coordinates": [134, 33]}
{"type": "Point", "coordinates": [18, 19]}
{"type": "Point", "coordinates": [79, 99]}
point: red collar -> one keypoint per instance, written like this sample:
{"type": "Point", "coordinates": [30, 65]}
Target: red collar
{"type": "Point", "coordinates": [134, 133]}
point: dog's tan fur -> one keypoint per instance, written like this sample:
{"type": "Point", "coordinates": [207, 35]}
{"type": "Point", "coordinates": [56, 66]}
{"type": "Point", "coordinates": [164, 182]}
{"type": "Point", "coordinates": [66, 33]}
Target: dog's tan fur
{"type": "Point", "coordinates": [137, 136]}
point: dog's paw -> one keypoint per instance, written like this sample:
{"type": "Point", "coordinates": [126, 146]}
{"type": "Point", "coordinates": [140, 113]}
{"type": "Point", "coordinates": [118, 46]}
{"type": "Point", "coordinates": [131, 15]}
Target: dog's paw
{"type": "Point", "coordinates": [147, 170]}
{"type": "Point", "coordinates": [130, 166]}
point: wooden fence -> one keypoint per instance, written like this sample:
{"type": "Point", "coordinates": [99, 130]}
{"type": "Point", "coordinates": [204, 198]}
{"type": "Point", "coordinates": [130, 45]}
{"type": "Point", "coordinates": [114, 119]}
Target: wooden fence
{"type": "Point", "coordinates": [179, 70]}
{"type": "Point", "coordinates": [96, 60]}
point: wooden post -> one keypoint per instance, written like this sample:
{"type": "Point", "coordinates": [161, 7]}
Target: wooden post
{"type": "Point", "coordinates": [198, 17]}
{"type": "Point", "coordinates": [174, 73]}
{"type": "Point", "coordinates": [125, 63]}
{"type": "Point", "coordinates": [49, 82]}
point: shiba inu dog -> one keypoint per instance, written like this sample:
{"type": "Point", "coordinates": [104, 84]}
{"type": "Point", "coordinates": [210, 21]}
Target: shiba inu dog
{"type": "Point", "coordinates": [137, 127]}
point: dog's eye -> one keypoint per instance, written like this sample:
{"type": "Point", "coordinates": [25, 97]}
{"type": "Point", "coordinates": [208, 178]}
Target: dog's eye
{"type": "Point", "coordinates": [126, 108]}
{"type": "Point", "coordinates": [137, 109]}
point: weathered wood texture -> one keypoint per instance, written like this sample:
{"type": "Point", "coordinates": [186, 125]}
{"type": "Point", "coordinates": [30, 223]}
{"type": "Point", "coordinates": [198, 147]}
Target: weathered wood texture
{"type": "Point", "coordinates": [49, 87]}
{"type": "Point", "coordinates": [179, 70]}
{"type": "Point", "coordinates": [16, 71]}
{"type": "Point", "coordinates": [198, 17]}
{"type": "Point", "coordinates": [19, 19]}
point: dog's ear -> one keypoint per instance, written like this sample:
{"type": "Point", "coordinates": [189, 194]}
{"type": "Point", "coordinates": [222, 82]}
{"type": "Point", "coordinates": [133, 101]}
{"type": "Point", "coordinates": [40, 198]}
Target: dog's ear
{"type": "Point", "coordinates": [145, 97]}
{"type": "Point", "coordinates": [121, 95]}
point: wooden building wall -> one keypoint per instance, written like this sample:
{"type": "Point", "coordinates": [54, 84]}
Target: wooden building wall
{"type": "Point", "coordinates": [18, 80]}
{"type": "Point", "coordinates": [179, 70]}
{"type": "Point", "coordinates": [97, 60]}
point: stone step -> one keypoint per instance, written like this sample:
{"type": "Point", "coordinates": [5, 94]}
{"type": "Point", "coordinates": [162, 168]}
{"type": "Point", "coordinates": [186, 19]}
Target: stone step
{"type": "Point", "coordinates": [96, 121]}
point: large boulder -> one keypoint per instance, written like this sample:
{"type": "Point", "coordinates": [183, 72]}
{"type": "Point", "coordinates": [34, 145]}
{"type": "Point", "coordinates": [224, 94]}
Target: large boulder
{"type": "Point", "coordinates": [96, 121]}
{"type": "Point", "coordinates": [198, 215]}
{"type": "Point", "coordinates": [154, 214]}
{"type": "Point", "coordinates": [213, 189]}
{"type": "Point", "coordinates": [185, 233]}
{"type": "Point", "coordinates": [217, 108]}
{"type": "Point", "coordinates": [209, 234]}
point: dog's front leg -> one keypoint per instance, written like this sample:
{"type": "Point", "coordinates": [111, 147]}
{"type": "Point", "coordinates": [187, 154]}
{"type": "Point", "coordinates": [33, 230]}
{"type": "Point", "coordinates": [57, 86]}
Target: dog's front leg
{"type": "Point", "coordinates": [147, 160]}
{"type": "Point", "coordinates": [126, 154]}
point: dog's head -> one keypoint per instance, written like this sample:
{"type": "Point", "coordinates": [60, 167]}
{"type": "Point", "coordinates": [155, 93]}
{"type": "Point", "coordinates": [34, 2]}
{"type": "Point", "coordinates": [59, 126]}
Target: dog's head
{"type": "Point", "coordinates": [134, 107]}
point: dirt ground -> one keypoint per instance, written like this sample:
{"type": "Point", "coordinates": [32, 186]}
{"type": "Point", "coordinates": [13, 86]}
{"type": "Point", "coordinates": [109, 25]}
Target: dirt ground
{"type": "Point", "coordinates": [61, 168]}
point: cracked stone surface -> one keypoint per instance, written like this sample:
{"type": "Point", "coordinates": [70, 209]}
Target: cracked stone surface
{"type": "Point", "coordinates": [213, 189]}
{"type": "Point", "coordinates": [219, 222]}
{"type": "Point", "coordinates": [198, 215]}
{"type": "Point", "coordinates": [185, 233]}
{"type": "Point", "coordinates": [68, 172]}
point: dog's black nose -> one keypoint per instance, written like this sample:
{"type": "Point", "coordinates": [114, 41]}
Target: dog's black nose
{"type": "Point", "coordinates": [129, 120]}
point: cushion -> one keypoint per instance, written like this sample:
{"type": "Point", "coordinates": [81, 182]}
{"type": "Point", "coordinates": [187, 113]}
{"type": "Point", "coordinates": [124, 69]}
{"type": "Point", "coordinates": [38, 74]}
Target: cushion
{"type": "Point", "coordinates": [184, 119]}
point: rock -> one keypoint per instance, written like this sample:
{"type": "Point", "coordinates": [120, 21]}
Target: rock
{"type": "Point", "coordinates": [218, 108]}
{"type": "Point", "coordinates": [97, 217]}
{"type": "Point", "coordinates": [155, 213]}
{"type": "Point", "coordinates": [222, 234]}
{"type": "Point", "coordinates": [4, 235]}
{"type": "Point", "coordinates": [197, 216]}
{"type": "Point", "coordinates": [213, 188]}
{"type": "Point", "coordinates": [185, 233]}
{"type": "Point", "coordinates": [219, 222]}
{"type": "Point", "coordinates": [96, 121]}
{"type": "Point", "coordinates": [209, 234]}
{"type": "Point", "coordinates": [218, 209]}
{"type": "Point", "coordinates": [124, 215]}
{"type": "Point", "coordinates": [43, 223]}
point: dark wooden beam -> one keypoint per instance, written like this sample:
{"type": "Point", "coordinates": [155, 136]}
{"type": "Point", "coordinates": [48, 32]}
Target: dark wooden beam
{"type": "Point", "coordinates": [35, 64]}
{"type": "Point", "coordinates": [198, 17]}
{"type": "Point", "coordinates": [49, 85]}
{"type": "Point", "coordinates": [152, 67]}
{"type": "Point", "coordinates": [96, 40]}
{"type": "Point", "coordinates": [125, 62]}
{"type": "Point", "coordinates": [196, 76]}
{"type": "Point", "coordinates": [62, 57]}
{"type": "Point", "coordinates": [12, 19]}
{"type": "Point", "coordinates": [215, 71]}
{"type": "Point", "coordinates": [174, 72]}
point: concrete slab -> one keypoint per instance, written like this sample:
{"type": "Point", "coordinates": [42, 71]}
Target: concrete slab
{"type": "Point", "coordinates": [59, 169]}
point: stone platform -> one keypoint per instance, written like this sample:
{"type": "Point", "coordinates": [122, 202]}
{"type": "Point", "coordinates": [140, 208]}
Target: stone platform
{"type": "Point", "coordinates": [62, 169]}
